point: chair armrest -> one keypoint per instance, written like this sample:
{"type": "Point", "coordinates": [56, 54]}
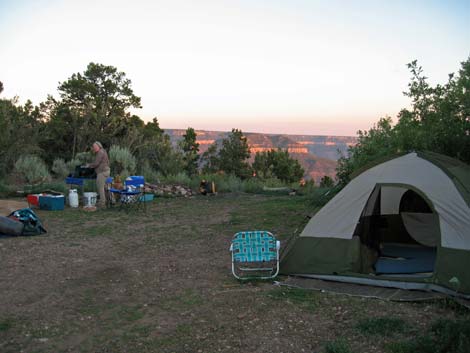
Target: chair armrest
{"type": "Point", "coordinates": [278, 244]}
{"type": "Point", "coordinates": [231, 247]}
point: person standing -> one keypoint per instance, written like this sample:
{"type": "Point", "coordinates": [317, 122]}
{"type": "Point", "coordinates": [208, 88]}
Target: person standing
{"type": "Point", "coordinates": [101, 166]}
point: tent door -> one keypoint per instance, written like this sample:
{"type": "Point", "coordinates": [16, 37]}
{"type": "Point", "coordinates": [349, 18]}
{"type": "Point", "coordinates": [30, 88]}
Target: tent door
{"type": "Point", "coordinates": [399, 233]}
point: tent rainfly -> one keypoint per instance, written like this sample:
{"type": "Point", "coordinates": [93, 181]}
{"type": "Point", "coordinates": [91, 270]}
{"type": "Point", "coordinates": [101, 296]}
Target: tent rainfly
{"type": "Point", "coordinates": [402, 223]}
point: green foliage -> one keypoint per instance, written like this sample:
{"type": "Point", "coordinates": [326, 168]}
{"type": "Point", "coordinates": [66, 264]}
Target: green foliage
{"type": "Point", "coordinates": [253, 185]}
{"type": "Point", "coordinates": [326, 182]}
{"type": "Point", "coordinates": [94, 105]}
{"type": "Point", "coordinates": [229, 183]}
{"type": "Point", "coordinates": [234, 154]}
{"type": "Point", "coordinates": [5, 189]}
{"type": "Point", "coordinates": [58, 186]}
{"type": "Point", "coordinates": [382, 326]}
{"type": "Point", "coordinates": [156, 150]}
{"type": "Point", "coordinates": [149, 173]}
{"type": "Point", "coordinates": [321, 196]}
{"type": "Point", "coordinates": [308, 188]}
{"type": "Point", "coordinates": [60, 168]}
{"type": "Point", "coordinates": [452, 336]}
{"type": "Point", "coordinates": [210, 160]}
{"type": "Point", "coordinates": [376, 143]}
{"type": "Point", "coordinates": [180, 179]}
{"type": "Point", "coordinates": [19, 132]}
{"type": "Point", "coordinates": [337, 346]}
{"type": "Point", "coordinates": [32, 169]}
{"type": "Point", "coordinates": [223, 182]}
{"type": "Point", "coordinates": [81, 158]}
{"type": "Point", "coordinates": [437, 121]}
{"type": "Point", "coordinates": [277, 164]}
{"type": "Point", "coordinates": [190, 151]}
{"type": "Point", "coordinates": [90, 185]}
{"type": "Point", "coordinates": [122, 161]}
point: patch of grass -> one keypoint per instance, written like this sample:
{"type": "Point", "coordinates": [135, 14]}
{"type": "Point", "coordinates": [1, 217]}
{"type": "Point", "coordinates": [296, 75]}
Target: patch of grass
{"type": "Point", "coordinates": [453, 305]}
{"type": "Point", "coordinates": [6, 324]}
{"type": "Point", "coordinates": [255, 282]}
{"type": "Point", "coordinates": [337, 346]}
{"type": "Point", "coordinates": [303, 298]}
{"type": "Point", "coordinates": [183, 329]}
{"type": "Point", "coordinates": [88, 303]}
{"type": "Point", "coordinates": [280, 215]}
{"type": "Point", "coordinates": [99, 230]}
{"type": "Point", "coordinates": [445, 336]}
{"type": "Point", "coordinates": [142, 330]}
{"type": "Point", "coordinates": [421, 344]}
{"type": "Point", "coordinates": [236, 219]}
{"type": "Point", "coordinates": [129, 313]}
{"type": "Point", "coordinates": [186, 300]}
{"type": "Point", "coordinates": [382, 326]}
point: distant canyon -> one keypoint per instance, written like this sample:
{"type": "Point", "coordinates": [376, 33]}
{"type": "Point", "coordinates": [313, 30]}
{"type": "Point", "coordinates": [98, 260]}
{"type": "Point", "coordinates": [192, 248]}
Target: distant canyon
{"type": "Point", "coordinates": [317, 154]}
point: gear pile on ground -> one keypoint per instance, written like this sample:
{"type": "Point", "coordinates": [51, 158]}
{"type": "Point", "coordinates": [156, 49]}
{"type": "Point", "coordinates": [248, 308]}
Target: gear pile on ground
{"type": "Point", "coordinates": [169, 190]}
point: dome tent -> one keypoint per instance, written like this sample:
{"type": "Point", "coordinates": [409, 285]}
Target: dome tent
{"type": "Point", "coordinates": [377, 231]}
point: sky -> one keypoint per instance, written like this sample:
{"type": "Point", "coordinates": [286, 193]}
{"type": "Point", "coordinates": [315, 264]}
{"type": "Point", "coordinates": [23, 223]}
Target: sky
{"type": "Point", "coordinates": [275, 66]}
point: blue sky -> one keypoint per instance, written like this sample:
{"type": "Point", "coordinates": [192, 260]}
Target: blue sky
{"type": "Point", "coordinates": [305, 67]}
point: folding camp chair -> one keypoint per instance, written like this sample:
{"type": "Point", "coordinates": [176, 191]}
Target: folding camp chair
{"type": "Point", "coordinates": [255, 254]}
{"type": "Point", "coordinates": [131, 197]}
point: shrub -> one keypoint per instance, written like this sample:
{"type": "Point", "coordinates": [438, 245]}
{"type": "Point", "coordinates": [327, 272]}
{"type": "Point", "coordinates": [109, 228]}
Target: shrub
{"type": "Point", "coordinates": [32, 169]}
{"type": "Point", "coordinates": [74, 163]}
{"type": "Point", "coordinates": [274, 183]}
{"type": "Point", "coordinates": [308, 188]}
{"type": "Point", "coordinates": [60, 168]}
{"type": "Point", "coordinates": [4, 188]}
{"type": "Point", "coordinates": [180, 178]}
{"type": "Point", "coordinates": [122, 161]}
{"type": "Point", "coordinates": [58, 186]}
{"type": "Point", "coordinates": [149, 173]}
{"type": "Point", "coordinates": [230, 183]}
{"type": "Point", "coordinates": [326, 182]}
{"type": "Point", "coordinates": [254, 186]}
{"type": "Point", "coordinates": [223, 182]}
{"type": "Point", "coordinates": [83, 158]}
{"type": "Point", "coordinates": [321, 196]}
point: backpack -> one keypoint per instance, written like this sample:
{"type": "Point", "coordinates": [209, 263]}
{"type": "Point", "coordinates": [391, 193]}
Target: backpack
{"type": "Point", "coordinates": [31, 223]}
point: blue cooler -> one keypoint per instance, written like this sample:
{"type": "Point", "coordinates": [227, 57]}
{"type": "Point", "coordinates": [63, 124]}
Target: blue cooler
{"type": "Point", "coordinates": [51, 202]}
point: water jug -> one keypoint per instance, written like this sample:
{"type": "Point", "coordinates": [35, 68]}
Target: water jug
{"type": "Point", "coordinates": [73, 198]}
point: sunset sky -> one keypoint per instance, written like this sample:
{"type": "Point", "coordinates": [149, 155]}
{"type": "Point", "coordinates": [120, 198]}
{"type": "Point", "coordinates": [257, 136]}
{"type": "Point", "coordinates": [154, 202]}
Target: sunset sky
{"type": "Point", "coordinates": [291, 66]}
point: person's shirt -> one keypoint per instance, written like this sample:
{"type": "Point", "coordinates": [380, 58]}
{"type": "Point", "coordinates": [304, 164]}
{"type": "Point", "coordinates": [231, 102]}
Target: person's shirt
{"type": "Point", "coordinates": [101, 162]}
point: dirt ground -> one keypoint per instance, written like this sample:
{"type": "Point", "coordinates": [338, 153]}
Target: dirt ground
{"type": "Point", "coordinates": [160, 281]}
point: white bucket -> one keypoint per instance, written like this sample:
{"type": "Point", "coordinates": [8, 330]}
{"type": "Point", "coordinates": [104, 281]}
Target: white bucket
{"type": "Point", "coordinates": [73, 198]}
{"type": "Point", "coordinates": [89, 199]}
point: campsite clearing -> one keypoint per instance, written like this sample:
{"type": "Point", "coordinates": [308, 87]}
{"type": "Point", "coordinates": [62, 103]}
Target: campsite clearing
{"type": "Point", "coordinates": [114, 282]}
